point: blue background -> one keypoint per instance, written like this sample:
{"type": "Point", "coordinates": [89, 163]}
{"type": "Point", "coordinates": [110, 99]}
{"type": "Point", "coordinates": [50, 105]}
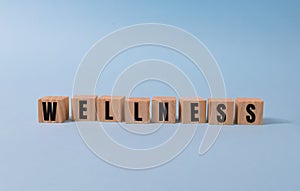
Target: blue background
{"type": "Point", "coordinates": [256, 44]}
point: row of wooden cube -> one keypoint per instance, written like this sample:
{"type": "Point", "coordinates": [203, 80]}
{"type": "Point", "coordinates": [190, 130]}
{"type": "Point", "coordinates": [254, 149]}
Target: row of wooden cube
{"type": "Point", "coordinates": [137, 110]}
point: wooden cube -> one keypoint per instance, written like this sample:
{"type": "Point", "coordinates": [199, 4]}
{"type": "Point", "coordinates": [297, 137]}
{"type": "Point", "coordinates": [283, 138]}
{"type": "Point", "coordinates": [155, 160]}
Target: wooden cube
{"type": "Point", "coordinates": [53, 109]}
{"type": "Point", "coordinates": [192, 110]}
{"type": "Point", "coordinates": [163, 109]}
{"type": "Point", "coordinates": [249, 111]}
{"type": "Point", "coordinates": [110, 108]}
{"type": "Point", "coordinates": [220, 111]}
{"type": "Point", "coordinates": [137, 110]}
{"type": "Point", "coordinates": [84, 108]}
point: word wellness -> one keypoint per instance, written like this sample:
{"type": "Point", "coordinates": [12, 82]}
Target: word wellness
{"type": "Point", "coordinates": [221, 111]}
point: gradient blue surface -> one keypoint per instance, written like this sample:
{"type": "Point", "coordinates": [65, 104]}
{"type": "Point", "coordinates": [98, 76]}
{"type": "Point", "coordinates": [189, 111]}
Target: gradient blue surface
{"type": "Point", "coordinates": [256, 44]}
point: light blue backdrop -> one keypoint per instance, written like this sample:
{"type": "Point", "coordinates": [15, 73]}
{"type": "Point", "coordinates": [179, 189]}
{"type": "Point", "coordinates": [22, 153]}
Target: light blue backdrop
{"type": "Point", "coordinates": [256, 44]}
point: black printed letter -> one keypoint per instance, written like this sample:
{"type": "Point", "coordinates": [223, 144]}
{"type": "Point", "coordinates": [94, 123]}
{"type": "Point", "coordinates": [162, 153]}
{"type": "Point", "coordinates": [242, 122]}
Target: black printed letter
{"type": "Point", "coordinates": [82, 109]}
{"type": "Point", "coordinates": [163, 111]}
{"type": "Point", "coordinates": [194, 112]}
{"type": "Point", "coordinates": [136, 112]}
{"type": "Point", "coordinates": [252, 116]}
{"type": "Point", "coordinates": [107, 117]}
{"type": "Point", "coordinates": [221, 118]}
{"type": "Point", "coordinates": [49, 112]}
